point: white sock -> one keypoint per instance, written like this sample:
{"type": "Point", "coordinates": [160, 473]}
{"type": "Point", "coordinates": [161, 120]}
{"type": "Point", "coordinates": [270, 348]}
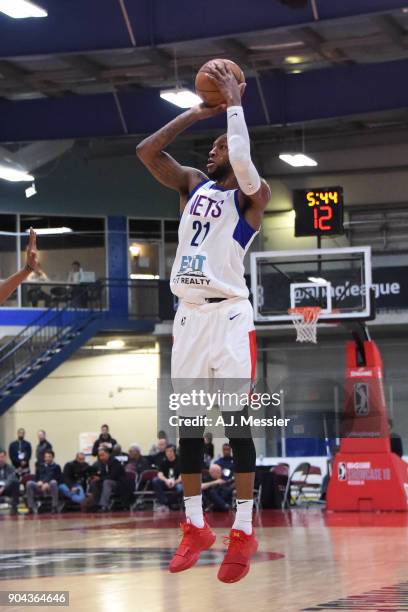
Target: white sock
{"type": "Point", "coordinates": [243, 516]}
{"type": "Point", "coordinates": [194, 510]}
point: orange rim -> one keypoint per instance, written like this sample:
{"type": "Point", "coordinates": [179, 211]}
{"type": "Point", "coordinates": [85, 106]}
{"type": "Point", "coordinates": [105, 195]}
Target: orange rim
{"type": "Point", "coordinates": [310, 314]}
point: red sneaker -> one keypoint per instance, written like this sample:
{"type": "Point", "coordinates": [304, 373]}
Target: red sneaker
{"type": "Point", "coordinates": [241, 547]}
{"type": "Point", "coordinates": [193, 542]}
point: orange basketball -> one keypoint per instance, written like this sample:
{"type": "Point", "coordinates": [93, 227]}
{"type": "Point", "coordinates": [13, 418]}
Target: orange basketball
{"type": "Point", "coordinates": [207, 89]}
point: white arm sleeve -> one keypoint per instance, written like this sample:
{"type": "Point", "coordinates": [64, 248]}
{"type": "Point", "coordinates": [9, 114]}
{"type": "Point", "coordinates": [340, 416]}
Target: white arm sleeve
{"type": "Point", "coordinates": [239, 151]}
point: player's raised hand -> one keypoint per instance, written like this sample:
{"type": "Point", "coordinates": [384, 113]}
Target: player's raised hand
{"type": "Point", "coordinates": [226, 82]}
{"type": "Point", "coordinates": [32, 262]}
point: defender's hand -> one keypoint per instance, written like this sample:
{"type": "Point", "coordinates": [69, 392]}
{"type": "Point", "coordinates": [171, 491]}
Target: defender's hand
{"type": "Point", "coordinates": [226, 82]}
{"type": "Point", "coordinates": [32, 262]}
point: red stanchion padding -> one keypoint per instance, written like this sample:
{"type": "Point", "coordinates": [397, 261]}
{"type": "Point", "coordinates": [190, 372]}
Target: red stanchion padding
{"type": "Point", "coordinates": [366, 475]}
{"type": "Point", "coordinates": [367, 482]}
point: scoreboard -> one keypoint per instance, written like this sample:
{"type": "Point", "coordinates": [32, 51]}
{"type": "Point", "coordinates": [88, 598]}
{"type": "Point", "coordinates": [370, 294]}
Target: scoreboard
{"type": "Point", "coordinates": [319, 212]}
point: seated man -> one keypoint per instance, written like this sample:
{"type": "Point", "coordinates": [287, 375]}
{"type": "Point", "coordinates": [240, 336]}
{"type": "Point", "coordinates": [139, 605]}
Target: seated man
{"type": "Point", "coordinates": [161, 435]}
{"type": "Point", "coordinates": [136, 463]}
{"type": "Point", "coordinates": [47, 478]}
{"type": "Point", "coordinates": [226, 462]}
{"type": "Point", "coordinates": [9, 486]}
{"type": "Point", "coordinates": [76, 274]}
{"type": "Point", "coordinates": [119, 455]}
{"type": "Point", "coordinates": [107, 476]}
{"type": "Point", "coordinates": [74, 479]}
{"type": "Point", "coordinates": [157, 457]}
{"type": "Point", "coordinates": [168, 478]}
{"type": "Point", "coordinates": [216, 490]}
{"type": "Point", "coordinates": [35, 294]}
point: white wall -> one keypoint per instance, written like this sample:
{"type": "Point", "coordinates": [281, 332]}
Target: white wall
{"type": "Point", "coordinates": [82, 394]}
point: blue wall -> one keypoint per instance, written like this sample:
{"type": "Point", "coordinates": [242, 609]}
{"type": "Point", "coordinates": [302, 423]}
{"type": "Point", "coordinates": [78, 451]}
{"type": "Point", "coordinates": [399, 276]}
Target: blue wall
{"type": "Point", "coordinates": [108, 186]}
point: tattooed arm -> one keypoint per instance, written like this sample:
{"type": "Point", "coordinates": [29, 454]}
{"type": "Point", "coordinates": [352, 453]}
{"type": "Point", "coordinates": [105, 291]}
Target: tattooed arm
{"type": "Point", "coordinates": [164, 167]}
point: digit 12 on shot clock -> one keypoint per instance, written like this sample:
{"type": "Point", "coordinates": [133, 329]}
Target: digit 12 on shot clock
{"type": "Point", "coordinates": [319, 212]}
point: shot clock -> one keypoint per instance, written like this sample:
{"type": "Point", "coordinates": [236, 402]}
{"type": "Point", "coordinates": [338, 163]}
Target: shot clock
{"type": "Point", "coordinates": [319, 212]}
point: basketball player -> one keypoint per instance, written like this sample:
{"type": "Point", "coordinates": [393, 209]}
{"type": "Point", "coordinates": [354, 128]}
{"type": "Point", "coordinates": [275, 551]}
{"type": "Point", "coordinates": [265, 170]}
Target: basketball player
{"type": "Point", "coordinates": [214, 336]}
{"type": "Point", "coordinates": [10, 284]}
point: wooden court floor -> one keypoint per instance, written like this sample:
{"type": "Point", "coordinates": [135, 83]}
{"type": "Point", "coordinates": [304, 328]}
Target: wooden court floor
{"type": "Point", "coordinates": [308, 561]}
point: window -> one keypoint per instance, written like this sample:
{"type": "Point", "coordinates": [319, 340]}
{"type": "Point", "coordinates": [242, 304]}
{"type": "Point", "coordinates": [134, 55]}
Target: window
{"type": "Point", "coordinates": [144, 248]}
{"type": "Point", "coordinates": [71, 251]}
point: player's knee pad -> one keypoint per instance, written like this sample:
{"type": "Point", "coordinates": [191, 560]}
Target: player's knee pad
{"type": "Point", "coordinates": [244, 454]}
{"type": "Point", "coordinates": [191, 455]}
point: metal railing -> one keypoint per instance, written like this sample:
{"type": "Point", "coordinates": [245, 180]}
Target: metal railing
{"type": "Point", "coordinates": [49, 329]}
{"type": "Point", "coordinates": [73, 311]}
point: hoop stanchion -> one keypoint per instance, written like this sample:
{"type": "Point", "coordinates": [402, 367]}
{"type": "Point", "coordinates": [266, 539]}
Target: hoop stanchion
{"type": "Point", "coordinates": [305, 320]}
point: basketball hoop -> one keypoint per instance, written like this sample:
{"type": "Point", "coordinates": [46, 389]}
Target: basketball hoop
{"type": "Point", "coordinates": [305, 320]}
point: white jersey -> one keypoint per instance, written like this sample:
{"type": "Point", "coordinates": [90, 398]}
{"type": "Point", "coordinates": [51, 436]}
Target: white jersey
{"type": "Point", "coordinates": [213, 239]}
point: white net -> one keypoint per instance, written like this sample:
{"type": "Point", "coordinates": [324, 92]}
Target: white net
{"type": "Point", "coordinates": [305, 321]}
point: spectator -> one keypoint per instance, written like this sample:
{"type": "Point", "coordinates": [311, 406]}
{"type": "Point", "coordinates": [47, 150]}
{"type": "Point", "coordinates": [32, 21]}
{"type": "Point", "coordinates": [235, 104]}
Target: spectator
{"type": "Point", "coordinates": [161, 435]}
{"type": "Point", "coordinates": [119, 455]}
{"type": "Point", "coordinates": [136, 463]}
{"type": "Point", "coordinates": [47, 478]}
{"type": "Point", "coordinates": [395, 440]}
{"type": "Point", "coordinates": [104, 438]}
{"type": "Point", "coordinates": [35, 294]}
{"type": "Point", "coordinates": [107, 477]}
{"type": "Point", "coordinates": [156, 459]}
{"type": "Point", "coordinates": [216, 490]}
{"type": "Point", "coordinates": [208, 448]}
{"type": "Point", "coordinates": [42, 446]}
{"type": "Point", "coordinates": [9, 485]}
{"type": "Point", "coordinates": [75, 478]}
{"type": "Point", "coordinates": [20, 453]}
{"type": "Point", "coordinates": [76, 274]}
{"type": "Point", "coordinates": [168, 478]}
{"type": "Point", "coordinates": [226, 462]}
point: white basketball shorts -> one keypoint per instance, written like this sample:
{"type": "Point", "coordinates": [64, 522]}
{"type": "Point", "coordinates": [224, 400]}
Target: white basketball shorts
{"type": "Point", "coordinates": [214, 340]}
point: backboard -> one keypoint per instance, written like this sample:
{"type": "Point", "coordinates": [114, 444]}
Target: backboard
{"type": "Point", "coordinates": [336, 280]}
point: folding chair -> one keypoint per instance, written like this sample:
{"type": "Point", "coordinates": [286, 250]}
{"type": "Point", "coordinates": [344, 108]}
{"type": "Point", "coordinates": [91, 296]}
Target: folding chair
{"type": "Point", "coordinates": [295, 485]}
{"type": "Point", "coordinates": [142, 490]}
{"type": "Point", "coordinates": [313, 486]}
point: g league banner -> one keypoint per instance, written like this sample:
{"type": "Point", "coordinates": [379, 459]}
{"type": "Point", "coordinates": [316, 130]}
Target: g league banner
{"type": "Point", "coordinates": [391, 288]}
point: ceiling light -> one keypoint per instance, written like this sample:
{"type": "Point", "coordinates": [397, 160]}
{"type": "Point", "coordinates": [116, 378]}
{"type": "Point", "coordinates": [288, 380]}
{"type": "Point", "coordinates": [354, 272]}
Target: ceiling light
{"type": "Point", "coordinates": [21, 9]}
{"type": "Point", "coordinates": [12, 174]}
{"type": "Point", "coordinates": [317, 280]}
{"type": "Point", "coordinates": [51, 231]}
{"type": "Point", "coordinates": [293, 59]}
{"type": "Point", "coordinates": [297, 160]}
{"type": "Point", "coordinates": [115, 344]}
{"type": "Point", "coordinates": [134, 250]}
{"type": "Point", "coordinates": [183, 98]}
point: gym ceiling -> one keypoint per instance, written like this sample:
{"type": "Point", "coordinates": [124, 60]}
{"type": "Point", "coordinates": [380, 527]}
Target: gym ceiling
{"type": "Point", "coordinates": [94, 68]}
